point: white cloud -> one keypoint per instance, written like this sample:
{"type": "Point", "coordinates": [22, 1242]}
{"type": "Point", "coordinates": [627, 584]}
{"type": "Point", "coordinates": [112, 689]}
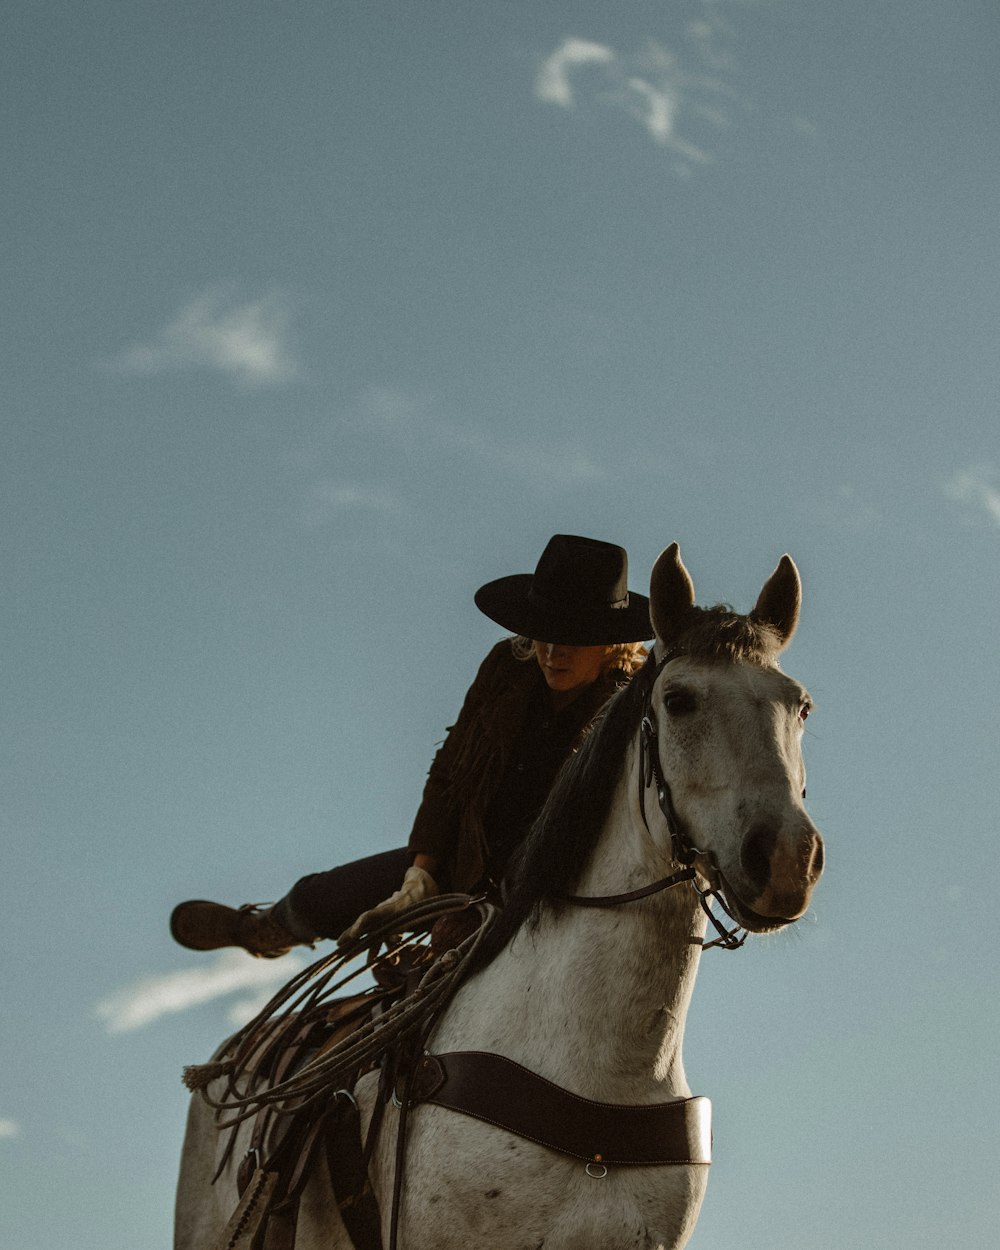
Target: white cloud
{"type": "Point", "coordinates": [231, 972]}
{"type": "Point", "coordinates": [977, 486]}
{"type": "Point", "coordinates": [9, 1128]}
{"type": "Point", "coordinates": [247, 341]}
{"type": "Point", "coordinates": [655, 86]}
{"type": "Point", "coordinates": [553, 82]}
{"type": "Point", "coordinates": [657, 110]}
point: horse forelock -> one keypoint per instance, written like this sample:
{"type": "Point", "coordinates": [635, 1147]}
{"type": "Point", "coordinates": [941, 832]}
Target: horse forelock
{"type": "Point", "coordinates": [718, 635]}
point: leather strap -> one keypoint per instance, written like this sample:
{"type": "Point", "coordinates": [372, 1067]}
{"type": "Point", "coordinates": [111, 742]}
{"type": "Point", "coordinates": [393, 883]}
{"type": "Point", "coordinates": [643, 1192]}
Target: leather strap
{"type": "Point", "coordinates": [491, 1088]}
{"type": "Point", "coordinates": [347, 1162]}
{"type": "Point", "coordinates": [614, 900]}
{"type": "Point", "coordinates": [248, 1219]}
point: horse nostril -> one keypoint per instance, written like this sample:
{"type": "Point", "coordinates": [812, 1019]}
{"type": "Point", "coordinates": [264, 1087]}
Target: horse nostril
{"type": "Point", "coordinates": [818, 858]}
{"type": "Point", "coordinates": [755, 855]}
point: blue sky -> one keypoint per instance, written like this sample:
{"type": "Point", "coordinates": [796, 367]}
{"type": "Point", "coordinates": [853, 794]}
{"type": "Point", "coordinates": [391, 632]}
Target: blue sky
{"type": "Point", "coordinates": [319, 315]}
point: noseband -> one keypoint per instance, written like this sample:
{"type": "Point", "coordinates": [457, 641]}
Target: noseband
{"type": "Point", "coordinates": [682, 848]}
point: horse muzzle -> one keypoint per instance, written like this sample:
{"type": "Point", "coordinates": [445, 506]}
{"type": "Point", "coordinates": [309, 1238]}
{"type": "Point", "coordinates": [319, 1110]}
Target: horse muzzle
{"type": "Point", "coordinates": [772, 883]}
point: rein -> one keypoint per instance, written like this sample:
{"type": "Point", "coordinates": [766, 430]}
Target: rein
{"type": "Point", "coordinates": [682, 848]}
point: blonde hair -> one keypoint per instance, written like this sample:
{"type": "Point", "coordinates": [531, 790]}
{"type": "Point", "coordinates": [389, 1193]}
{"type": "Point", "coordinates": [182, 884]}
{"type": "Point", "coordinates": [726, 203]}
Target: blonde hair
{"type": "Point", "coordinates": [624, 655]}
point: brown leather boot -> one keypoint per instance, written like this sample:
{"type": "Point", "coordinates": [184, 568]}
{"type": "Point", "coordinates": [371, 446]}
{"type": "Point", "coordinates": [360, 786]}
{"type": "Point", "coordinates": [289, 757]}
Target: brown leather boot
{"type": "Point", "coordinates": [204, 926]}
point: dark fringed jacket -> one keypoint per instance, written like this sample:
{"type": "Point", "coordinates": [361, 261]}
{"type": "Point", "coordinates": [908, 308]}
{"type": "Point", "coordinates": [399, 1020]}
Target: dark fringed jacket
{"type": "Point", "coordinates": [471, 762]}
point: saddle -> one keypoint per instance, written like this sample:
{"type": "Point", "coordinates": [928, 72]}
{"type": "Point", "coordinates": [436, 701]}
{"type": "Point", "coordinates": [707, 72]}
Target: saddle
{"type": "Point", "coordinates": [293, 1070]}
{"type": "Point", "coordinates": [285, 1148]}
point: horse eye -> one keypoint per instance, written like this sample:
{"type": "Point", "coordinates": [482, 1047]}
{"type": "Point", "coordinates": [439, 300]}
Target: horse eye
{"type": "Point", "coordinates": [804, 710]}
{"type": "Point", "coordinates": [678, 702]}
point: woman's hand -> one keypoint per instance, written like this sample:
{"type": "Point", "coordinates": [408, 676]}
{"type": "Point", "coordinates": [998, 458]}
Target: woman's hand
{"type": "Point", "coordinates": [418, 885]}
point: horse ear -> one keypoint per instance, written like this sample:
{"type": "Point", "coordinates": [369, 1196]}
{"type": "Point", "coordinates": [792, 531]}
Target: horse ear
{"type": "Point", "coordinates": [671, 592]}
{"type": "Point", "coordinates": [779, 602]}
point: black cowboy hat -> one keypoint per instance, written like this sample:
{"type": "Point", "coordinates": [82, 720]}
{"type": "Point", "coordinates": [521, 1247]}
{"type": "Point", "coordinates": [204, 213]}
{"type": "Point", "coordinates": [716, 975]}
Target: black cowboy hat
{"type": "Point", "coordinates": [578, 596]}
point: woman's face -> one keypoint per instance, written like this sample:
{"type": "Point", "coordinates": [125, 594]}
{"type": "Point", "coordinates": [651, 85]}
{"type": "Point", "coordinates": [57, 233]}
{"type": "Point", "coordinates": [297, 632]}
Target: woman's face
{"type": "Point", "coordinates": [569, 668]}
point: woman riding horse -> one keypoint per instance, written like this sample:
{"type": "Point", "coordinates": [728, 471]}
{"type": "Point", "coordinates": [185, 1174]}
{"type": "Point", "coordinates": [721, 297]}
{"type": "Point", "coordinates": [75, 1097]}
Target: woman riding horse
{"type": "Point", "coordinates": [548, 1102]}
{"type": "Point", "coordinates": [578, 637]}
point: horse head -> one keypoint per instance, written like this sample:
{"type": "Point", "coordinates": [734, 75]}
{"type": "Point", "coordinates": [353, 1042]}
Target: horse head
{"type": "Point", "coordinates": [728, 729]}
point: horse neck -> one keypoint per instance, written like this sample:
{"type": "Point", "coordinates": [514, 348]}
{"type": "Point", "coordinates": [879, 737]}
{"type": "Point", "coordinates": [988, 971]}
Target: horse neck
{"type": "Point", "coordinates": [596, 998]}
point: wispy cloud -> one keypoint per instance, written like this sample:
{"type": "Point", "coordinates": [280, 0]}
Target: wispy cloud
{"type": "Point", "coordinates": [978, 487]}
{"type": "Point", "coordinates": [845, 508]}
{"type": "Point", "coordinates": [231, 972]}
{"type": "Point", "coordinates": [246, 340]}
{"type": "Point", "coordinates": [9, 1128]}
{"type": "Point", "coordinates": [384, 457]}
{"type": "Point", "coordinates": [390, 409]}
{"type": "Point", "coordinates": [664, 91]}
{"type": "Point", "coordinates": [554, 83]}
{"type": "Point", "coordinates": [528, 461]}
{"type": "Point", "coordinates": [327, 498]}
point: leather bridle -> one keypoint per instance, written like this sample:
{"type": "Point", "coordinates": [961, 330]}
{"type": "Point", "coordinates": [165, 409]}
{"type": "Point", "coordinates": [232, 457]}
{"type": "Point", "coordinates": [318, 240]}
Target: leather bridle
{"type": "Point", "coordinates": [683, 849]}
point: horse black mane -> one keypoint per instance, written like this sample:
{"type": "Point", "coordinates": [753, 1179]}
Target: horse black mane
{"type": "Point", "coordinates": [550, 860]}
{"type": "Point", "coordinates": [567, 828]}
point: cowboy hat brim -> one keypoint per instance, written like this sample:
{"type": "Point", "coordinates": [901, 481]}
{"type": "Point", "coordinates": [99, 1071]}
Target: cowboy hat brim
{"type": "Point", "coordinates": [509, 602]}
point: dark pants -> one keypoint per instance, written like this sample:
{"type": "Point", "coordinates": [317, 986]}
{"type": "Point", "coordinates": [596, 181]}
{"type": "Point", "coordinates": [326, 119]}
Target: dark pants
{"type": "Point", "coordinates": [324, 904]}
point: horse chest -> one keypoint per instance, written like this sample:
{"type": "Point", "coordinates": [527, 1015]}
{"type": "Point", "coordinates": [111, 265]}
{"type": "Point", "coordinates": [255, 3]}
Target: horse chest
{"type": "Point", "coordinates": [498, 1190]}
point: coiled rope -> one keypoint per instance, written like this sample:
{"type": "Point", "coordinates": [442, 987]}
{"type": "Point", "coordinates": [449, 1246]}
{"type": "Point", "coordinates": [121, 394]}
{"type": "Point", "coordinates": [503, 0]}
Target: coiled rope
{"type": "Point", "coordinates": [310, 993]}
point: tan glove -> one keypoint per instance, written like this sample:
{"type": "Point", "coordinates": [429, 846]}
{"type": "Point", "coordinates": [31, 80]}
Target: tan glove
{"type": "Point", "coordinates": [417, 886]}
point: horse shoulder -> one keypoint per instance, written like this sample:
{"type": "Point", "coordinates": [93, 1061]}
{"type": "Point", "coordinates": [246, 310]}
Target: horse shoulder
{"type": "Point", "coordinates": [198, 1214]}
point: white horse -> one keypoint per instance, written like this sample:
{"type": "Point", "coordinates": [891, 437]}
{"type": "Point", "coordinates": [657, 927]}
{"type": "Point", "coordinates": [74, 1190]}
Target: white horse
{"type": "Point", "coordinates": [696, 765]}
